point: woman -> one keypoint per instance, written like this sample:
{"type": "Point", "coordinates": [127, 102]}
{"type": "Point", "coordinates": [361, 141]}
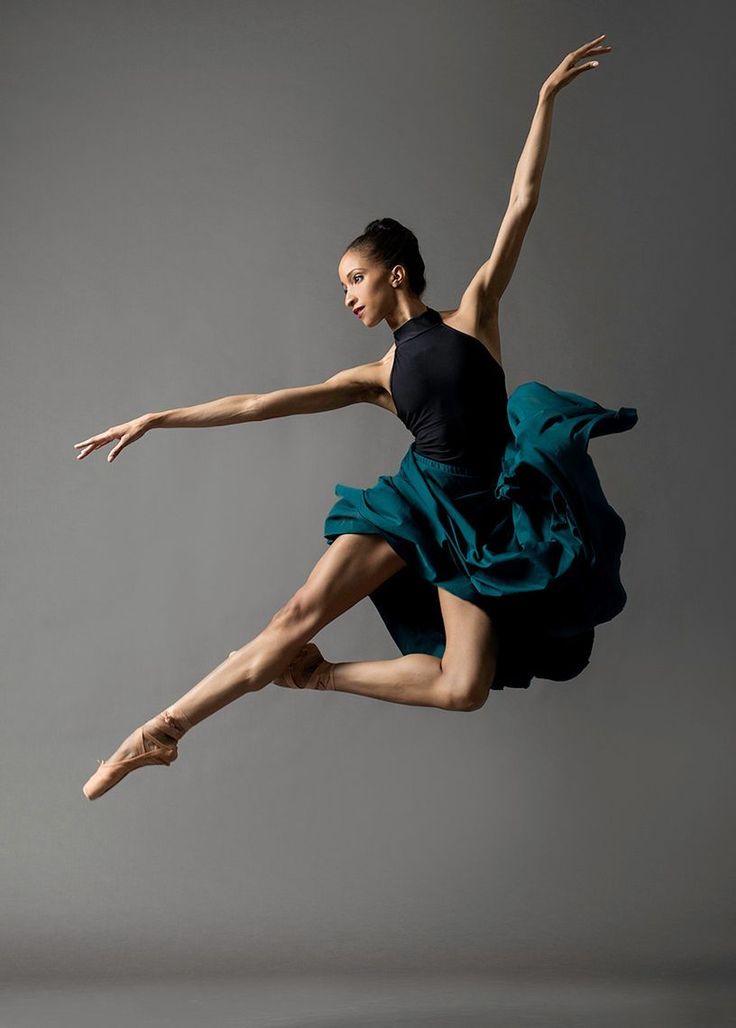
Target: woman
{"type": "Point", "coordinates": [490, 554]}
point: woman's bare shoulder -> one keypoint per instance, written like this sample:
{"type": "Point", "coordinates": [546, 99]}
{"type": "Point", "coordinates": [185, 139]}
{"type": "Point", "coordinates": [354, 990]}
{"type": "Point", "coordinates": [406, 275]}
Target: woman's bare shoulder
{"type": "Point", "coordinates": [485, 330]}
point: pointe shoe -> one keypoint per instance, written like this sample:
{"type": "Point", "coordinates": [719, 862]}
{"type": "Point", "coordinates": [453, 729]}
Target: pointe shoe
{"type": "Point", "coordinates": [110, 772]}
{"type": "Point", "coordinates": [297, 677]}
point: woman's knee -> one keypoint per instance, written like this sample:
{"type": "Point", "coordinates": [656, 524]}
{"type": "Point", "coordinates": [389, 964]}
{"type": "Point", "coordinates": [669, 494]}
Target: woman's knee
{"type": "Point", "coordinates": [465, 691]}
{"type": "Point", "coordinates": [301, 613]}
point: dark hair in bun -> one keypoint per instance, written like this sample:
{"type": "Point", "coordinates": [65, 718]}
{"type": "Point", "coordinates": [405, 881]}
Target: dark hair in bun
{"type": "Point", "coordinates": [388, 242]}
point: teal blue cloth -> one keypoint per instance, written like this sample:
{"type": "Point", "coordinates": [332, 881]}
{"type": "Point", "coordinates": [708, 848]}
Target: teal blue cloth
{"type": "Point", "coordinates": [538, 546]}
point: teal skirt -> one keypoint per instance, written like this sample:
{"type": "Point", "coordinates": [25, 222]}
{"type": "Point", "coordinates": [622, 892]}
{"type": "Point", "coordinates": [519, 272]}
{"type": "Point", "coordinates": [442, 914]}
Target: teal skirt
{"type": "Point", "coordinates": [537, 546]}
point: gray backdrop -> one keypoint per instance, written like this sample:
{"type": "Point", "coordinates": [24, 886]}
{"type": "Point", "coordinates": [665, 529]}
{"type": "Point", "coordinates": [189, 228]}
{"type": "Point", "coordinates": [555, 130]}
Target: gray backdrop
{"type": "Point", "coordinates": [178, 183]}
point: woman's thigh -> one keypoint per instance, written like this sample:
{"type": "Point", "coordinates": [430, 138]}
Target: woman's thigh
{"type": "Point", "coordinates": [349, 570]}
{"type": "Point", "coordinates": [471, 646]}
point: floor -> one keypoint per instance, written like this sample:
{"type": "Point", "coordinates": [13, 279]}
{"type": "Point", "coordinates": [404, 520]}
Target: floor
{"type": "Point", "coordinates": [361, 1001]}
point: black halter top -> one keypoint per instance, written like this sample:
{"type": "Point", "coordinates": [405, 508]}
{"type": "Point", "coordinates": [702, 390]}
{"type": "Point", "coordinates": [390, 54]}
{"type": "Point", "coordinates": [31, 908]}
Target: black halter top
{"type": "Point", "coordinates": [450, 392]}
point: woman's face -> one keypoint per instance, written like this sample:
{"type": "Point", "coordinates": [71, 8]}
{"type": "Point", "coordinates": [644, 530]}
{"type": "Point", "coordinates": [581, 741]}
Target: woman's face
{"type": "Point", "coordinates": [367, 287]}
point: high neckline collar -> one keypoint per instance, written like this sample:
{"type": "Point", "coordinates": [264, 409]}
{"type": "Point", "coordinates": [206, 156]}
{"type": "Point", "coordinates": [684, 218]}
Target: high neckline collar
{"type": "Point", "coordinates": [419, 323]}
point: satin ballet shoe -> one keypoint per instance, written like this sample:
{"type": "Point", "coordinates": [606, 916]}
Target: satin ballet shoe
{"type": "Point", "coordinates": [110, 772]}
{"type": "Point", "coordinates": [297, 676]}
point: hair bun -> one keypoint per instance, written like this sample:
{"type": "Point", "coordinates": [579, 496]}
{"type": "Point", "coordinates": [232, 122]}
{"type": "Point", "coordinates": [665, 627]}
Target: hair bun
{"type": "Point", "coordinates": [389, 242]}
{"type": "Point", "coordinates": [387, 225]}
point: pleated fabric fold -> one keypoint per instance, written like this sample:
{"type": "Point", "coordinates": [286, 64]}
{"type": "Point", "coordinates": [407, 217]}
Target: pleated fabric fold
{"type": "Point", "coordinates": [537, 546]}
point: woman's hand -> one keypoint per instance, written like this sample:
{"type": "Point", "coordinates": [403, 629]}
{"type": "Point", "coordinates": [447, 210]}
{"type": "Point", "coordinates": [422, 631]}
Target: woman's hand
{"type": "Point", "coordinates": [127, 433]}
{"type": "Point", "coordinates": [567, 70]}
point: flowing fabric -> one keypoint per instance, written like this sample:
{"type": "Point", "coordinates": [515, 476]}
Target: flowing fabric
{"type": "Point", "coordinates": [538, 546]}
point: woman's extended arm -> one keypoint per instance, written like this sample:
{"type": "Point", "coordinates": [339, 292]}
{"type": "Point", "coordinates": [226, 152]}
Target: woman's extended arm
{"type": "Point", "coordinates": [352, 385]}
{"type": "Point", "coordinates": [362, 384]}
{"type": "Point", "coordinates": [236, 410]}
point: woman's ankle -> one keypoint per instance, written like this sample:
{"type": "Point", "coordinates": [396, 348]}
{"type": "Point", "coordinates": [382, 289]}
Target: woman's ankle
{"type": "Point", "coordinates": [174, 721]}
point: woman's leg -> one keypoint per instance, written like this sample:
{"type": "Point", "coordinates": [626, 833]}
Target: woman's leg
{"type": "Point", "coordinates": [350, 569]}
{"type": "Point", "coordinates": [460, 680]}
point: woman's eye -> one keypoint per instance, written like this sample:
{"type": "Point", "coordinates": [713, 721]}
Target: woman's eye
{"type": "Point", "coordinates": [355, 279]}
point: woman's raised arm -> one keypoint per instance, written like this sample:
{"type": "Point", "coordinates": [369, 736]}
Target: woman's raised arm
{"type": "Point", "coordinates": [528, 178]}
{"type": "Point", "coordinates": [480, 299]}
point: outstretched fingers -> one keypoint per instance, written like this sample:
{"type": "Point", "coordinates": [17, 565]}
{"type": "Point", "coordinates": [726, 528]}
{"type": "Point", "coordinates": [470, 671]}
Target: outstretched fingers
{"type": "Point", "coordinates": [93, 443]}
{"type": "Point", "coordinates": [586, 50]}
